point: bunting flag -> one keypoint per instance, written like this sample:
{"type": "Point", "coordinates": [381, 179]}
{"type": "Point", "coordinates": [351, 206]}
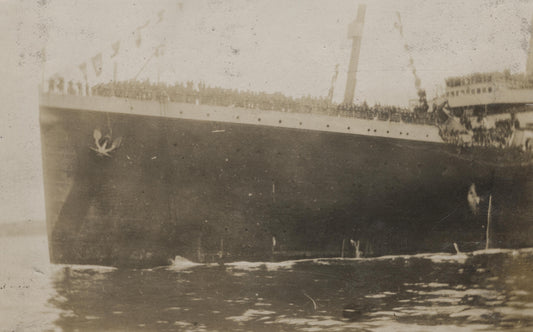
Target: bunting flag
{"type": "Point", "coordinates": [418, 82]}
{"type": "Point", "coordinates": [159, 50]}
{"type": "Point", "coordinates": [115, 46]}
{"type": "Point", "coordinates": [138, 38]}
{"type": "Point", "coordinates": [42, 54]}
{"type": "Point", "coordinates": [144, 25]}
{"type": "Point", "coordinates": [97, 64]}
{"type": "Point", "coordinates": [160, 16]}
{"type": "Point", "coordinates": [83, 69]}
{"type": "Point", "coordinates": [398, 25]}
{"type": "Point", "coordinates": [97, 60]}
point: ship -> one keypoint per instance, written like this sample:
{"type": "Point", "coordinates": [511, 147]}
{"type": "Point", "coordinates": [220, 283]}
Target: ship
{"type": "Point", "coordinates": [136, 182]}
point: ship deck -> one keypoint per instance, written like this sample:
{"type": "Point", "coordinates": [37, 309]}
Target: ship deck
{"type": "Point", "coordinates": [258, 117]}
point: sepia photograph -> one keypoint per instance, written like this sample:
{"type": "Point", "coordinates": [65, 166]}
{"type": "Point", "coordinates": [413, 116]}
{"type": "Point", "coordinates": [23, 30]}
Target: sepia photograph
{"type": "Point", "coordinates": [254, 165]}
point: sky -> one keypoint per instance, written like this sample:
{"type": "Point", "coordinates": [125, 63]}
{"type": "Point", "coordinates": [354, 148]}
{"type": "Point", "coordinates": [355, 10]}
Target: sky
{"type": "Point", "coordinates": [288, 46]}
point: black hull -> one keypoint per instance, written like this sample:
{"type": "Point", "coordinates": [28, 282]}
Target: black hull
{"type": "Point", "coordinates": [209, 191]}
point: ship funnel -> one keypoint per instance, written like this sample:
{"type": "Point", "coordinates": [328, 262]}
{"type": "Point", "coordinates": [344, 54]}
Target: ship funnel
{"type": "Point", "coordinates": [355, 32]}
{"type": "Point", "coordinates": [529, 65]}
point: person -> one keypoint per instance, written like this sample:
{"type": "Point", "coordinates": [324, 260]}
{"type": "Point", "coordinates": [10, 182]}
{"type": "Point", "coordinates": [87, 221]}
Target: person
{"type": "Point", "coordinates": [51, 85]}
{"type": "Point", "coordinates": [61, 85]}
{"type": "Point", "coordinates": [70, 89]}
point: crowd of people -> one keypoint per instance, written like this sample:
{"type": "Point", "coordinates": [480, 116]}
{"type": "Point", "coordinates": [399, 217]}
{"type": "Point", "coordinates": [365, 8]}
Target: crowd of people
{"type": "Point", "coordinates": [385, 113]}
{"type": "Point", "coordinates": [190, 92]}
{"type": "Point", "coordinates": [513, 81]}
{"type": "Point", "coordinates": [200, 93]}
{"type": "Point", "coordinates": [497, 136]}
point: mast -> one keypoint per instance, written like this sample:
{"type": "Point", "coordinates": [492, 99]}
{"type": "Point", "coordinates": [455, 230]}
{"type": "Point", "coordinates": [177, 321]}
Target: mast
{"type": "Point", "coordinates": [355, 32]}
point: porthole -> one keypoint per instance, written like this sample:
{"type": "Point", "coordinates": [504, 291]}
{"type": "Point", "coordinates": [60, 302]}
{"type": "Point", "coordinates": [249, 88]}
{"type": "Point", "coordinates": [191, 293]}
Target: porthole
{"type": "Point", "coordinates": [208, 114]}
{"type": "Point", "coordinates": [279, 121]}
{"type": "Point", "coordinates": [300, 123]}
{"type": "Point", "coordinates": [375, 130]}
{"type": "Point", "coordinates": [368, 129]}
{"type": "Point", "coordinates": [238, 117]}
{"type": "Point", "coordinates": [348, 128]}
{"type": "Point", "coordinates": [387, 131]}
{"type": "Point", "coordinates": [259, 119]}
{"type": "Point", "coordinates": [401, 133]}
{"type": "Point", "coordinates": [327, 125]}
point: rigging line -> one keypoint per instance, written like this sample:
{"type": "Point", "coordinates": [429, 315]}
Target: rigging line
{"type": "Point", "coordinates": [144, 65]}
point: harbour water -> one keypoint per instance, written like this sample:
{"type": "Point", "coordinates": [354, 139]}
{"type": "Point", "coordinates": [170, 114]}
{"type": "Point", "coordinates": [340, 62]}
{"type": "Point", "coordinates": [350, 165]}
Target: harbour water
{"type": "Point", "coordinates": [480, 291]}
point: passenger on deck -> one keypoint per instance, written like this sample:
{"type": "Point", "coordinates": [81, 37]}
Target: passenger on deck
{"type": "Point", "coordinates": [70, 89]}
{"type": "Point", "coordinates": [51, 85]}
{"type": "Point", "coordinates": [61, 85]}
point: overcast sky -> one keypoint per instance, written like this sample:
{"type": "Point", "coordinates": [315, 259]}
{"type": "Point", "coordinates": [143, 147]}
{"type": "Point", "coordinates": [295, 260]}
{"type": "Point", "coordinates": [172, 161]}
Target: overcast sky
{"type": "Point", "coordinates": [286, 46]}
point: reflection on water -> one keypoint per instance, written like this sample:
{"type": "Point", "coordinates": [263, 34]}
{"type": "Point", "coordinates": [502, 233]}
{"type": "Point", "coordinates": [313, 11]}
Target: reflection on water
{"type": "Point", "coordinates": [479, 291]}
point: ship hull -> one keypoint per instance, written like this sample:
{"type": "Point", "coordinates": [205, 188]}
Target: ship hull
{"type": "Point", "coordinates": [211, 191]}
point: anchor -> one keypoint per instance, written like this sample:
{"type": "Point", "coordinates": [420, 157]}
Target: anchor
{"type": "Point", "coordinates": [103, 149]}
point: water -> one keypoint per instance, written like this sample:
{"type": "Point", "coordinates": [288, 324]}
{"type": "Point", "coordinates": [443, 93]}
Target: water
{"type": "Point", "coordinates": [439, 292]}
